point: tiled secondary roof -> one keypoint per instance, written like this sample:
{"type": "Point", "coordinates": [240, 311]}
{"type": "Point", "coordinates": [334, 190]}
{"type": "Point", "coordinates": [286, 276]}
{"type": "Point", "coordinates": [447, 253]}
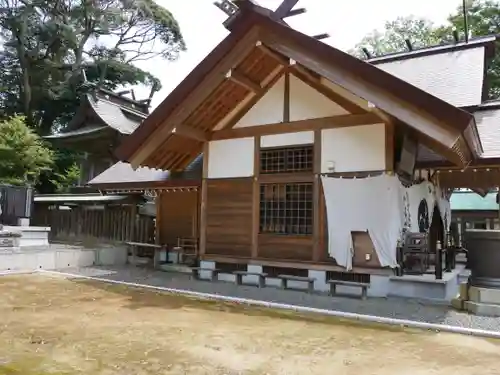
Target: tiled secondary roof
{"type": "Point", "coordinates": [454, 72]}
{"type": "Point", "coordinates": [470, 201]}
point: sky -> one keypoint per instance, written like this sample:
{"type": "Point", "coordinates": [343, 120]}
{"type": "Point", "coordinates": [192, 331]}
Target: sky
{"type": "Point", "coordinates": [346, 22]}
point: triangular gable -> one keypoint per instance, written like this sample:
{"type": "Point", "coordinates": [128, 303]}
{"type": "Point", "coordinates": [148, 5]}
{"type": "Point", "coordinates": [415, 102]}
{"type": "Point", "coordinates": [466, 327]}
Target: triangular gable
{"type": "Point", "coordinates": [200, 102]}
{"type": "Point", "coordinates": [305, 103]}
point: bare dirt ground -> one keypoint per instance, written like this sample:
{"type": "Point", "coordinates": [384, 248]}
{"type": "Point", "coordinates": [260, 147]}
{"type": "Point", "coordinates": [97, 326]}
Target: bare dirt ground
{"type": "Point", "coordinates": [56, 326]}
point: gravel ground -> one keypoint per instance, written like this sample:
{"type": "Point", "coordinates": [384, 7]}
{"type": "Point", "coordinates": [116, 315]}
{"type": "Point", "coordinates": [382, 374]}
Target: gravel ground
{"type": "Point", "coordinates": [386, 307]}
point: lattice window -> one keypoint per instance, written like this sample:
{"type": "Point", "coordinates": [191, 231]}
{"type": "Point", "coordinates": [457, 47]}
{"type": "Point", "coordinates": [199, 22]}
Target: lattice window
{"type": "Point", "coordinates": [286, 208]}
{"type": "Point", "coordinates": [287, 160]}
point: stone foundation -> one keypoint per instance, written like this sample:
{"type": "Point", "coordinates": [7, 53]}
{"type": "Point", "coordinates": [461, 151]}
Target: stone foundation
{"type": "Point", "coordinates": [423, 287]}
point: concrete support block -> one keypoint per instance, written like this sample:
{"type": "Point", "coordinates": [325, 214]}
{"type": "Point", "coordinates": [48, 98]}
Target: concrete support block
{"type": "Point", "coordinates": [463, 293]}
{"type": "Point", "coordinates": [484, 295]}
{"type": "Point", "coordinates": [482, 309]}
{"type": "Point", "coordinates": [320, 284]}
{"type": "Point", "coordinates": [457, 303]}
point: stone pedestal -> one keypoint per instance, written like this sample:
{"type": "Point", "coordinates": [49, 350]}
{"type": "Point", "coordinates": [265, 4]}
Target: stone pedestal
{"type": "Point", "coordinates": [483, 301]}
{"type": "Point", "coordinates": [478, 300]}
{"type": "Point", "coordinates": [9, 240]}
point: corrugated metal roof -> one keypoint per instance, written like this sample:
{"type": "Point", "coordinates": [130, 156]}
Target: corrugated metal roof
{"type": "Point", "coordinates": [470, 201]}
{"type": "Point", "coordinates": [454, 76]}
{"type": "Point", "coordinates": [123, 173]}
{"type": "Point", "coordinates": [61, 198]}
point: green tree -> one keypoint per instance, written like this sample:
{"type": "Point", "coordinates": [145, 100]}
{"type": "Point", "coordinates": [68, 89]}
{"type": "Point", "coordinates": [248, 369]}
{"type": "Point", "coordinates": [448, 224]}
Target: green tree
{"type": "Point", "coordinates": [483, 19]}
{"type": "Point", "coordinates": [47, 45]}
{"type": "Point", "coordinates": [419, 31]}
{"type": "Point", "coordinates": [23, 155]}
{"type": "Point", "coordinates": [52, 51]}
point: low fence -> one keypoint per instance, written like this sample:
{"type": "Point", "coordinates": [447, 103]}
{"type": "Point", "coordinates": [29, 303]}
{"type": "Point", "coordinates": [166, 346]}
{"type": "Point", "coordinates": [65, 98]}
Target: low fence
{"type": "Point", "coordinates": [84, 223]}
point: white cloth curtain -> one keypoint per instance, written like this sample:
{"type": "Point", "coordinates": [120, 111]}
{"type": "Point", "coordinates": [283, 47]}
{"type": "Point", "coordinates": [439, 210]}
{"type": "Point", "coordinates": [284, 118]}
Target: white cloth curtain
{"type": "Point", "coordinates": [372, 204]}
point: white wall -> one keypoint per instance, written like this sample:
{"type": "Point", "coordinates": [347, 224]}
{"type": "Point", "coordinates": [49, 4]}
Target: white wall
{"type": "Point", "coordinates": [268, 110]}
{"type": "Point", "coordinates": [287, 139]}
{"type": "Point", "coordinates": [353, 149]}
{"type": "Point", "coordinates": [307, 103]}
{"type": "Point", "coordinates": [231, 158]}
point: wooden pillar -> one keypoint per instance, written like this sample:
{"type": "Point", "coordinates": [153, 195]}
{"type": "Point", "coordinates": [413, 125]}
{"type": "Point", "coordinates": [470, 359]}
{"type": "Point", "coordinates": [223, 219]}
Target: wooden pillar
{"type": "Point", "coordinates": [203, 203]}
{"type": "Point", "coordinates": [316, 255]}
{"type": "Point", "coordinates": [256, 199]}
{"type": "Point", "coordinates": [158, 233]}
{"type": "Point", "coordinates": [389, 147]}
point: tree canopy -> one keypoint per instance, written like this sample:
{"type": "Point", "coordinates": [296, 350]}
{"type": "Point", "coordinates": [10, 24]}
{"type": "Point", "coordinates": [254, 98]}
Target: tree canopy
{"type": "Point", "coordinates": [483, 19]}
{"type": "Point", "coordinates": [52, 50]}
{"type": "Point", "coordinates": [23, 155]}
{"type": "Point", "coordinates": [47, 45]}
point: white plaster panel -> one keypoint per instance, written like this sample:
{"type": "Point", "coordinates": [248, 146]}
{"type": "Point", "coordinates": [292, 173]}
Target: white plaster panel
{"type": "Point", "coordinates": [287, 139]}
{"type": "Point", "coordinates": [231, 158]}
{"type": "Point", "coordinates": [353, 149]}
{"type": "Point", "coordinates": [268, 110]}
{"type": "Point", "coordinates": [307, 103]}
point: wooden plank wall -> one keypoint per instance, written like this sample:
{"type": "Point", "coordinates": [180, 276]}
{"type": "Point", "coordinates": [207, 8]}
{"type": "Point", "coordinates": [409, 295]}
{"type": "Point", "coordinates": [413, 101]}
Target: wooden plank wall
{"type": "Point", "coordinates": [229, 217]}
{"type": "Point", "coordinates": [178, 216]}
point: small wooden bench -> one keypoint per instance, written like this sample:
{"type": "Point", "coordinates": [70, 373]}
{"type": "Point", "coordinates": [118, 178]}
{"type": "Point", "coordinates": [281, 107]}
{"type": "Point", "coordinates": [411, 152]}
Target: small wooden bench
{"type": "Point", "coordinates": [213, 272]}
{"type": "Point", "coordinates": [286, 278]}
{"type": "Point", "coordinates": [333, 286]}
{"type": "Point", "coordinates": [157, 249]}
{"type": "Point", "coordinates": [239, 277]}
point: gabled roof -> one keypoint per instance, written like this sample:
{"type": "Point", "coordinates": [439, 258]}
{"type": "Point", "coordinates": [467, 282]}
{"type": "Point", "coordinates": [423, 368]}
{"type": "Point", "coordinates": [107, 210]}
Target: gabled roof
{"type": "Point", "coordinates": [443, 127]}
{"type": "Point", "coordinates": [108, 110]}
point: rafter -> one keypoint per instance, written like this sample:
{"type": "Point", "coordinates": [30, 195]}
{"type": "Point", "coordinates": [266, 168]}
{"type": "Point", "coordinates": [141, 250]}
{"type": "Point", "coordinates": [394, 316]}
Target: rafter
{"type": "Point", "coordinates": [187, 131]}
{"type": "Point", "coordinates": [244, 81]}
{"type": "Point", "coordinates": [279, 58]}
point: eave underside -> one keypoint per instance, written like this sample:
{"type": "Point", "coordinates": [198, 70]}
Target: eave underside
{"type": "Point", "coordinates": [261, 65]}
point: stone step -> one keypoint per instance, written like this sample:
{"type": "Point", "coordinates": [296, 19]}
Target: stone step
{"type": "Point", "coordinates": [482, 309]}
{"type": "Point", "coordinates": [484, 295]}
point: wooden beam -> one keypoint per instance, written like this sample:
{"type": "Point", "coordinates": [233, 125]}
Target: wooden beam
{"type": "Point", "coordinates": [316, 255]}
{"type": "Point", "coordinates": [286, 98]}
{"type": "Point", "coordinates": [203, 203]}
{"type": "Point", "coordinates": [387, 101]}
{"type": "Point", "coordinates": [295, 12]}
{"type": "Point", "coordinates": [298, 126]}
{"type": "Point", "coordinates": [267, 84]}
{"type": "Point", "coordinates": [195, 98]}
{"type": "Point", "coordinates": [315, 82]}
{"type": "Point", "coordinates": [276, 56]}
{"type": "Point", "coordinates": [256, 198]}
{"type": "Point", "coordinates": [244, 81]}
{"type": "Point", "coordinates": [284, 8]}
{"type": "Point", "coordinates": [191, 133]}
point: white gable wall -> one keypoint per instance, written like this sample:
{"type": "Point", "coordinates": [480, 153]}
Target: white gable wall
{"type": "Point", "coordinates": [268, 110]}
{"type": "Point", "coordinates": [353, 149]}
{"type": "Point", "coordinates": [307, 103]}
{"type": "Point", "coordinates": [456, 77]}
{"type": "Point", "coordinates": [231, 158]}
